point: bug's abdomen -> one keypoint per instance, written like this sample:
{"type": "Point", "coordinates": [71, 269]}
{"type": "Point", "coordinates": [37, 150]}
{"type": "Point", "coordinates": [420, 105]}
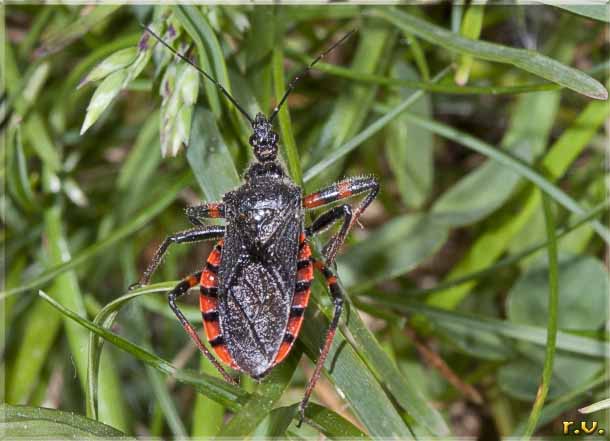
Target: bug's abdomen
{"type": "Point", "coordinates": [299, 301]}
{"type": "Point", "coordinates": [208, 304]}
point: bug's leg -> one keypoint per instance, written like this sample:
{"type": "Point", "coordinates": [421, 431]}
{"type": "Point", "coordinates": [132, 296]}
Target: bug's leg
{"type": "Point", "coordinates": [180, 289]}
{"type": "Point", "coordinates": [338, 191]}
{"type": "Point", "coordinates": [324, 221]}
{"type": "Point", "coordinates": [210, 210]}
{"type": "Point", "coordinates": [337, 296]}
{"type": "Point", "coordinates": [212, 232]}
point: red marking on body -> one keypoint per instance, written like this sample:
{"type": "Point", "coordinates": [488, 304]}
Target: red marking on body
{"type": "Point", "coordinates": [214, 258]}
{"type": "Point", "coordinates": [305, 252]}
{"type": "Point", "coordinates": [294, 326]}
{"type": "Point", "coordinates": [208, 279]}
{"type": "Point", "coordinates": [212, 329]}
{"type": "Point", "coordinates": [344, 189]}
{"type": "Point", "coordinates": [313, 200]}
{"type": "Point", "coordinates": [207, 303]}
{"type": "Point", "coordinates": [225, 357]}
{"type": "Point", "coordinates": [331, 280]}
{"type": "Point", "coordinates": [305, 274]}
{"type": "Point", "coordinates": [285, 348]}
{"type": "Point", "coordinates": [301, 299]}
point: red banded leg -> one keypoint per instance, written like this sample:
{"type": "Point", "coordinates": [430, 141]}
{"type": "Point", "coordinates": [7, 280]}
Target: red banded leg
{"type": "Point", "coordinates": [179, 290]}
{"type": "Point", "coordinates": [208, 304]}
{"type": "Point", "coordinates": [209, 210]}
{"type": "Point", "coordinates": [211, 232]}
{"type": "Point", "coordinates": [299, 301]}
{"type": "Point", "coordinates": [335, 192]}
{"type": "Point", "coordinates": [337, 297]}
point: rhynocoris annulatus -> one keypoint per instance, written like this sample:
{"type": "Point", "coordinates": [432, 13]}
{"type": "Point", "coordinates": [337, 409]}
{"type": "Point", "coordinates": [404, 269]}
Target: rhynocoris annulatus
{"type": "Point", "coordinates": [256, 282]}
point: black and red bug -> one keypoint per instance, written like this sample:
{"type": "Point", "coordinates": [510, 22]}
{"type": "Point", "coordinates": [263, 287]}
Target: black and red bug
{"type": "Point", "coordinates": [256, 282]}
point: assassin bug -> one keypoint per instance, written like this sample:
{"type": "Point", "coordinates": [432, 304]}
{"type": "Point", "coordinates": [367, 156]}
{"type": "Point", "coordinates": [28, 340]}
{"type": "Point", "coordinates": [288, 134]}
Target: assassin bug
{"type": "Point", "coordinates": [256, 282]}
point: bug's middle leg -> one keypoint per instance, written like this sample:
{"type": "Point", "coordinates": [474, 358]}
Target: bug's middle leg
{"type": "Point", "coordinates": [337, 296]}
{"type": "Point", "coordinates": [181, 289]}
{"type": "Point", "coordinates": [211, 232]}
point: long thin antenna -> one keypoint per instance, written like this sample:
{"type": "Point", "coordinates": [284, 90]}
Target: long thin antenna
{"type": "Point", "coordinates": [293, 83]}
{"type": "Point", "coordinates": [201, 71]}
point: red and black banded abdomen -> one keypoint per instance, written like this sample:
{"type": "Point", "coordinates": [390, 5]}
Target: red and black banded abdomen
{"type": "Point", "coordinates": [208, 304]}
{"type": "Point", "coordinates": [253, 323]}
{"type": "Point", "coordinates": [300, 300]}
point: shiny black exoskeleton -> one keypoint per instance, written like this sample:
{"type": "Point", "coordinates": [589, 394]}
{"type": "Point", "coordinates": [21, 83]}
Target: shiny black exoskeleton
{"type": "Point", "coordinates": [255, 285]}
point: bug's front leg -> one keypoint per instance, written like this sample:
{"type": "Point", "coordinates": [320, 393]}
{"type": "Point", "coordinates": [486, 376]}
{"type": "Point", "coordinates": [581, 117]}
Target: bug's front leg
{"type": "Point", "coordinates": [181, 289]}
{"type": "Point", "coordinates": [209, 210]}
{"type": "Point", "coordinates": [335, 192]}
{"type": "Point", "coordinates": [212, 232]}
{"type": "Point", "coordinates": [337, 297]}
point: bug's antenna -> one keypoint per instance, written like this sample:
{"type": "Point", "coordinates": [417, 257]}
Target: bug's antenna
{"type": "Point", "coordinates": [293, 83]}
{"type": "Point", "coordinates": [201, 71]}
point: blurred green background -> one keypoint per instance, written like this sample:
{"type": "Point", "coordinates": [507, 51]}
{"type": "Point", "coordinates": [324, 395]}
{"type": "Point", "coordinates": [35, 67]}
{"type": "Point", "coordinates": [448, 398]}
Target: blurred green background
{"type": "Point", "coordinates": [486, 126]}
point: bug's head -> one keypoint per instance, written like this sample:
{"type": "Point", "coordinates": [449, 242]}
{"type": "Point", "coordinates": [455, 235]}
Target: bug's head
{"type": "Point", "coordinates": [264, 139]}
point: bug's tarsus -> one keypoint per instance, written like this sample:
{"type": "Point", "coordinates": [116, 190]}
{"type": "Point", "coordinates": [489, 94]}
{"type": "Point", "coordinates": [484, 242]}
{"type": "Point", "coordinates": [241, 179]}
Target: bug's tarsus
{"type": "Point", "coordinates": [294, 81]}
{"type": "Point", "coordinates": [201, 71]}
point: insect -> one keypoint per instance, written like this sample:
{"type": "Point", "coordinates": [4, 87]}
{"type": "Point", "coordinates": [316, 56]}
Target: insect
{"type": "Point", "coordinates": [256, 282]}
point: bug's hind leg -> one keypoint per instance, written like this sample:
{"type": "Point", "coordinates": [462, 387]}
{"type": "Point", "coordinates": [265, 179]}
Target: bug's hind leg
{"type": "Point", "coordinates": [212, 232]}
{"type": "Point", "coordinates": [337, 296]}
{"type": "Point", "coordinates": [181, 289]}
{"type": "Point", "coordinates": [335, 192]}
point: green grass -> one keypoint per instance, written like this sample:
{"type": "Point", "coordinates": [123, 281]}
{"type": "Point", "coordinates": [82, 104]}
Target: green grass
{"type": "Point", "coordinates": [487, 238]}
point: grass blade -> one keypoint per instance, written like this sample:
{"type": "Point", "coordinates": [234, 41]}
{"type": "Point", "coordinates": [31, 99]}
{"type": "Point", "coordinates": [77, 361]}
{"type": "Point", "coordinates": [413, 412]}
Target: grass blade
{"type": "Point", "coordinates": [511, 161]}
{"type": "Point", "coordinates": [529, 61]}
{"type": "Point", "coordinates": [551, 333]}
{"type": "Point", "coordinates": [364, 135]}
{"type": "Point", "coordinates": [286, 134]}
{"type": "Point", "coordinates": [475, 325]}
{"type": "Point", "coordinates": [119, 234]}
{"type": "Point", "coordinates": [25, 422]}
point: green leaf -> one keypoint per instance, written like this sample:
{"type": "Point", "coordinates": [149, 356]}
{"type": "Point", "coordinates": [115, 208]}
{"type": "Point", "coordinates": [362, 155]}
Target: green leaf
{"type": "Point", "coordinates": [211, 57]}
{"type": "Point", "coordinates": [377, 258]}
{"type": "Point", "coordinates": [475, 325]}
{"type": "Point", "coordinates": [119, 234]}
{"type": "Point", "coordinates": [105, 93]}
{"type": "Point", "coordinates": [496, 238]}
{"type": "Point", "coordinates": [19, 185]}
{"type": "Point", "coordinates": [527, 60]}
{"type": "Point", "coordinates": [410, 149]}
{"type": "Point", "coordinates": [209, 157]}
{"type": "Point", "coordinates": [464, 203]}
{"type": "Point", "coordinates": [342, 150]}
{"type": "Point", "coordinates": [38, 422]}
{"type": "Point", "coordinates": [471, 28]}
{"type": "Point", "coordinates": [118, 60]}
{"type": "Point", "coordinates": [526, 302]}
{"type": "Point", "coordinates": [599, 11]}
{"type": "Point", "coordinates": [350, 375]}
{"type": "Point", "coordinates": [552, 320]}
{"type": "Point", "coordinates": [287, 135]}
{"type": "Point", "coordinates": [64, 35]}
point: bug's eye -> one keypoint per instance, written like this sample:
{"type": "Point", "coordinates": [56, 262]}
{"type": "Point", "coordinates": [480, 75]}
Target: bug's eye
{"type": "Point", "coordinates": [253, 141]}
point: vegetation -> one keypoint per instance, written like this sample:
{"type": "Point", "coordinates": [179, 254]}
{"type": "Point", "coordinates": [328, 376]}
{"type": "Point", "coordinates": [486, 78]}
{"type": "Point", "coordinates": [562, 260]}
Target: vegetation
{"type": "Point", "coordinates": [477, 289]}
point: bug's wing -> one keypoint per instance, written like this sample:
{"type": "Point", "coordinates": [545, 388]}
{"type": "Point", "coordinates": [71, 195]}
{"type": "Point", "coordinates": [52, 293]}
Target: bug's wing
{"type": "Point", "coordinates": [255, 298]}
